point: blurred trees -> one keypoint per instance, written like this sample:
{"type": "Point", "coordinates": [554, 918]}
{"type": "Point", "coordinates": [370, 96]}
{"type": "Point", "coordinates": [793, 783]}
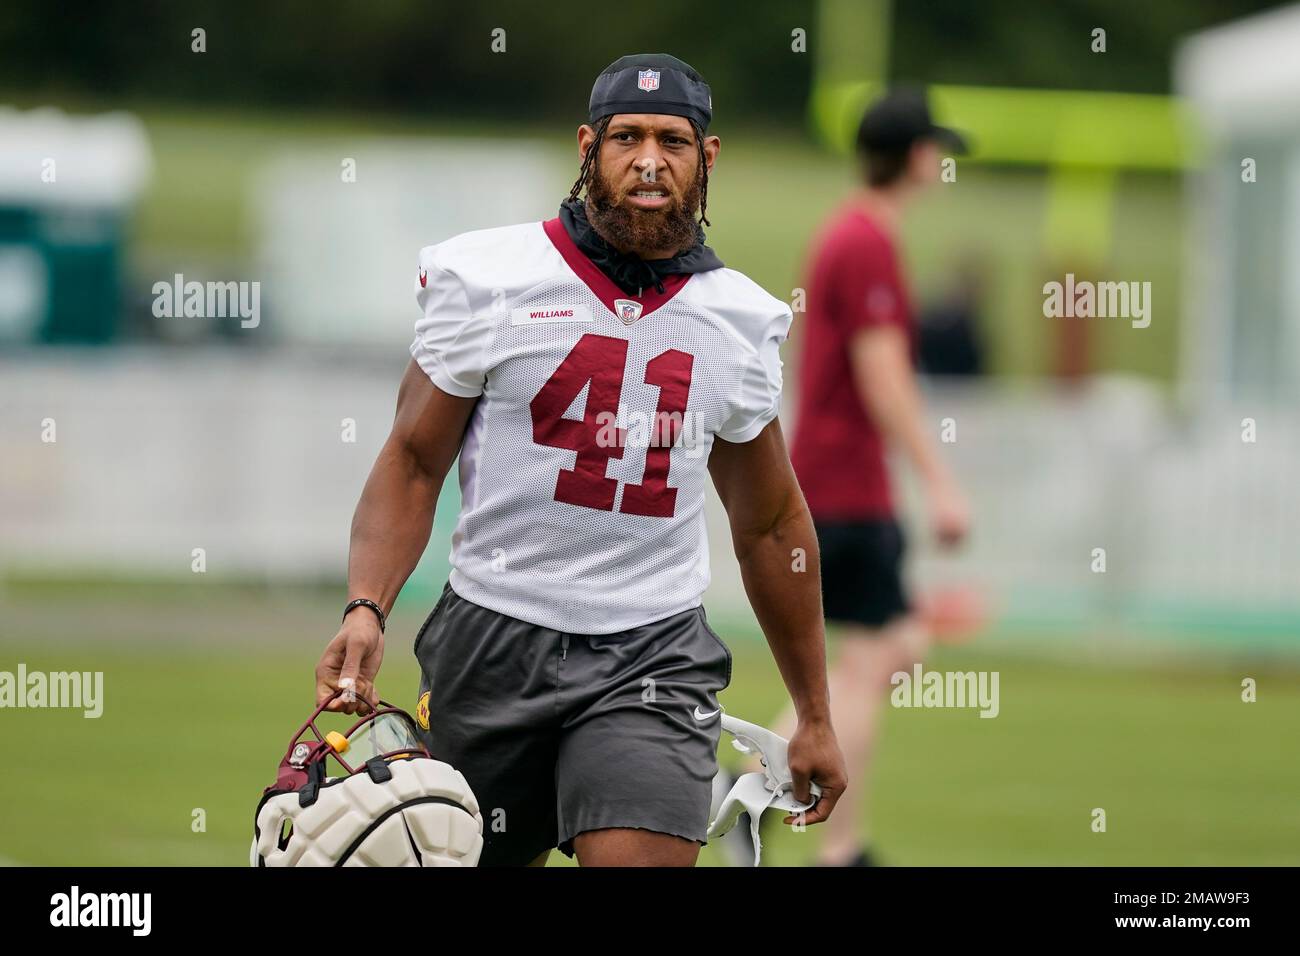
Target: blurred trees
{"type": "Point", "coordinates": [425, 56]}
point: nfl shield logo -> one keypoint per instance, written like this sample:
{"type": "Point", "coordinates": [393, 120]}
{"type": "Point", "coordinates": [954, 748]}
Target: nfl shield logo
{"type": "Point", "coordinates": [647, 80]}
{"type": "Point", "coordinates": [627, 310]}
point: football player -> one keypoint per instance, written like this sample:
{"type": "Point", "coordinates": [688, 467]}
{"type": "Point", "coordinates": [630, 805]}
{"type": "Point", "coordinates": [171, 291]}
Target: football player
{"type": "Point", "coordinates": [589, 371]}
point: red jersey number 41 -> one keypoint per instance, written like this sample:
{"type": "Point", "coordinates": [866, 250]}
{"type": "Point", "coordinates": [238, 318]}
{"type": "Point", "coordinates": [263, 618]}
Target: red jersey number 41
{"type": "Point", "coordinates": [602, 361]}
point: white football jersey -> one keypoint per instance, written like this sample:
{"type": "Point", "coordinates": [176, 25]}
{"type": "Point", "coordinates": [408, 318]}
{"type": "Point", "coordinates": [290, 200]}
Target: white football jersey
{"type": "Point", "coordinates": [583, 469]}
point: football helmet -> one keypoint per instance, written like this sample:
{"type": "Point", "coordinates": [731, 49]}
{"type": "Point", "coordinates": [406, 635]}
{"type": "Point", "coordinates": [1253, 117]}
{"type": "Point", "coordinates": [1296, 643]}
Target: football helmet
{"type": "Point", "coordinates": [393, 805]}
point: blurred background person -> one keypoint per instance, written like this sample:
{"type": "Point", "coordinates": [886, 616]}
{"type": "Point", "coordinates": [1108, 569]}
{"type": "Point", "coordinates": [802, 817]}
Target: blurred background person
{"type": "Point", "coordinates": [857, 397]}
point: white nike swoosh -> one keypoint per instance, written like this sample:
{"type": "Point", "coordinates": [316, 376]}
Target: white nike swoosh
{"type": "Point", "coordinates": [702, 716]}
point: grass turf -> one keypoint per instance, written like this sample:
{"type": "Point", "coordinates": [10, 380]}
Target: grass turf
{"type": "Point", "coordinates": [1187, 773]}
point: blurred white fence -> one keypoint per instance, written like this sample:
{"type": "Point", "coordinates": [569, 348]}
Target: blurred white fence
{"type": "Point", "coordinates": [1199, 526]}
{"type": "Point", "coordinates": [161, 451]}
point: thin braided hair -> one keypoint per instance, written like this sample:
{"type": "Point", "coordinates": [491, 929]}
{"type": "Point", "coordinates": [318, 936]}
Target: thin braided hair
{"type": "Point", "coordinates": [588, 166]}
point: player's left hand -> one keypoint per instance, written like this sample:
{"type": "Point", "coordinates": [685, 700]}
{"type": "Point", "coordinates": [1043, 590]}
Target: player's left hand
{"type": "Point", "coordinates": [814, 755]}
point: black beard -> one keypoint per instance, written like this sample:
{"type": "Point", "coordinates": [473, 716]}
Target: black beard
{"type": "Point", "coordinates": [633, 230]}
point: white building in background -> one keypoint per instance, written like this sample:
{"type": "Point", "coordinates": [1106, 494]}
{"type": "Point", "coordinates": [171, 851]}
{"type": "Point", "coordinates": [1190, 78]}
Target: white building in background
{"type": "Point", "coordinates": [339, 230]}
{"type": "Point", "coordinates": [1241, 84]}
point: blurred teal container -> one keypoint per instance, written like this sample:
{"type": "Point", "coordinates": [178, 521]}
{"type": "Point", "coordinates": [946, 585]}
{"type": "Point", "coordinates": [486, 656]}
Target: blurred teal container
{"type": "Point", "coordinates": [60, 274]}
{"type": "Point", "coordinates": [67, 187]}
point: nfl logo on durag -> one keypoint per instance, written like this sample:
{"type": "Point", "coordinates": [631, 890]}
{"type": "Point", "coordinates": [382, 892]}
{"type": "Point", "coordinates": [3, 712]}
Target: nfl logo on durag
{"type": "Point", "coordinates": [647, 80]}
{"type": "Point", "coordinates": [628, 311]}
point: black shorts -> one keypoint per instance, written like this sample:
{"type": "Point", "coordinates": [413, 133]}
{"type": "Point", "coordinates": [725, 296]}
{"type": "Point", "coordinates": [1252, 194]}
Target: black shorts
{"type": "Point", "coordinates": [562, 733]}
{"type": "Point", "coordinates": [862, 571]}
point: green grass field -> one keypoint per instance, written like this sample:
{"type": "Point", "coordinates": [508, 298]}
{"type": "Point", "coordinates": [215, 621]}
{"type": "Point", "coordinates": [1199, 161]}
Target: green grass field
{"type": "Point", "coordinates": [203, 687]}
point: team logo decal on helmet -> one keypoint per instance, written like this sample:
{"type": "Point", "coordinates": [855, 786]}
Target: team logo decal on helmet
{"type": "Point", "coordinates": [422, 711]}
{"type": "Point", "coordinates": [393, 805]}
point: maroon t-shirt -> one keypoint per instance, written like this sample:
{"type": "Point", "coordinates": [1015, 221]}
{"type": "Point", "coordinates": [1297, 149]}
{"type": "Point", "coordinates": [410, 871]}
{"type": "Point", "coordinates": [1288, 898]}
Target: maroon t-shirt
{"type": "Point", "coordinates": [853, 283]}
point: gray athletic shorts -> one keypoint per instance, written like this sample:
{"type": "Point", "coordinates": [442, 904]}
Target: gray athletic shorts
{"type": "Point", "coordinates": [560, 733]}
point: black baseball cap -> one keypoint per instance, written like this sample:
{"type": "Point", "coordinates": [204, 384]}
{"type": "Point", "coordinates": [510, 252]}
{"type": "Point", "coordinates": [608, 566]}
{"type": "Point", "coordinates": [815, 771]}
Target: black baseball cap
{"type": "Point", "coordinates": [900, 118]}
{"type": "Point", "coordinates": [651, 83]}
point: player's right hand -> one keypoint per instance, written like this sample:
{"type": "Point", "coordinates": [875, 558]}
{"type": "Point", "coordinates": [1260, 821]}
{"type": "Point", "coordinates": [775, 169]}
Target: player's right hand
{"type": "Point", "coordinates": [356, 652]}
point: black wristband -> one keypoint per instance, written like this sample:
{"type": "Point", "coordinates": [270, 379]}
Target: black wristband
{"type": "Point", "coordinates": [366, 602]}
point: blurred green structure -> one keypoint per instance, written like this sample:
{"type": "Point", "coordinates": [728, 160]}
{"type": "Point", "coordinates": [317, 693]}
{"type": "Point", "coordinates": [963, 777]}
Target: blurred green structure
{"type": "Point", "coordinates": [1082, 138]}
{"type": "Point", "coordinates": [67, 188]}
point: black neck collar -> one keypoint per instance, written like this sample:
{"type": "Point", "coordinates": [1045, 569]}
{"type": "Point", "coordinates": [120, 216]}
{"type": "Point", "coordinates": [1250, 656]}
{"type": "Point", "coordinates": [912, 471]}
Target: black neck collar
{"type": "Point", "coordinates": [630, 272]}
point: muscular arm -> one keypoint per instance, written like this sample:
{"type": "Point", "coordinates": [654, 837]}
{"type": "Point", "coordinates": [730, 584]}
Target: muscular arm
{"type": "Point", "coordinates": [769, 521]}
{"type": "Point", "coordinates": [394, 517]}
{"type": "Point", "coordinates": [391, 526]}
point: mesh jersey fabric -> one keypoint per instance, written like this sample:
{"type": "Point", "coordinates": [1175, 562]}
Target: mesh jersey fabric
{"type": "Point", "coordinates": [565, 523]}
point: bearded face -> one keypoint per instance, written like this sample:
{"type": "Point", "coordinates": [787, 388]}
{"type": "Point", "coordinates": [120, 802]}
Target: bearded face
{"type": "Point", "coordinates": [639, 214]}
